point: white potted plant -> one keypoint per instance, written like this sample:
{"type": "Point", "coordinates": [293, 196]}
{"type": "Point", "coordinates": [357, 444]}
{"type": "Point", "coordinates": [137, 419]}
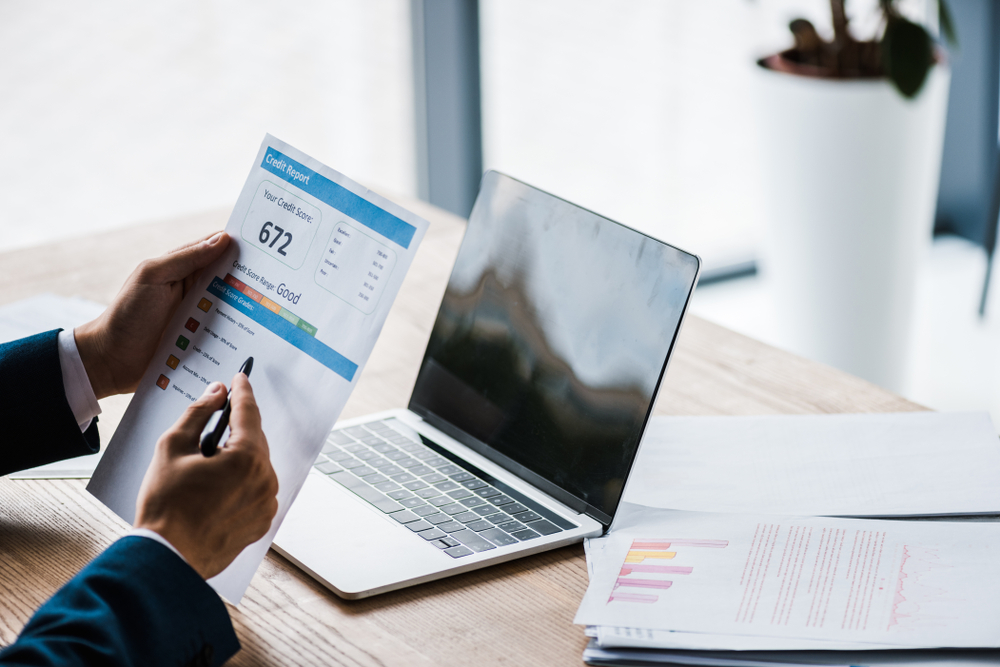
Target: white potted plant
{"type": "Point", "coordinates": [852, 133]}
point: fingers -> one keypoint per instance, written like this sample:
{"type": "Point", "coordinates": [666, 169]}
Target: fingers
{"type": "Point", "coordinates": [190, 425]}
{"type": "Point", "coordinates": [180, 263]}
{"type": "Point", "coordinates": [244, 422]}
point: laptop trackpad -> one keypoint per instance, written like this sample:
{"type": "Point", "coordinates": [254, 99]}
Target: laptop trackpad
{"type": "Point", "coordinates": [344, 541]}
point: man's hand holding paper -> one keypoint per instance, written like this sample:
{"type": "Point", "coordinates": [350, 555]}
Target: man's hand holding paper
{"type": "Point", "coordinates": [304, 285]}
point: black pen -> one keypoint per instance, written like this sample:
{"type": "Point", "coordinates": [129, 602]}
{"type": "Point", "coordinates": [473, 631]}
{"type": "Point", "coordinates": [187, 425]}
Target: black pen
{"type": "Point", "coordinates": [217, 424]}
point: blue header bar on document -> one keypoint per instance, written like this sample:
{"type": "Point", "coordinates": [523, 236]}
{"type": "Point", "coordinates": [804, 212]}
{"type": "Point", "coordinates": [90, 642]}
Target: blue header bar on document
{"type": "Point", "coordinates": [339, 197]}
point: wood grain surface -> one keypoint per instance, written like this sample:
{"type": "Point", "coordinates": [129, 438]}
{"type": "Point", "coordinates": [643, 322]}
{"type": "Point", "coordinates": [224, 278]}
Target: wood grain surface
{"type": "Point", "coordinates": [518, 613]}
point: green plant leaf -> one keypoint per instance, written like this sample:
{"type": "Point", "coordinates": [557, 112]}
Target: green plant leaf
{"type": "Point", "coordinates": [907, 55]}
{"type": "Point", "coordinates": [946, 23]}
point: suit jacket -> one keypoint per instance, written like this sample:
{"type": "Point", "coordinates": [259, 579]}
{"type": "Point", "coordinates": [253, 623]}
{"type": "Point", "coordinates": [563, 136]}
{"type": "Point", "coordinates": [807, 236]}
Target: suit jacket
{"type": "Point", "coordinates": [137, 603]}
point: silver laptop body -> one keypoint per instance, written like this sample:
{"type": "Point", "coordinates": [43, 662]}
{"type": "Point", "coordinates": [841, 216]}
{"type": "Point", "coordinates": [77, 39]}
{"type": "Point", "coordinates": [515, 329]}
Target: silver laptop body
{"type": "Point", "coordinates": [539, 377]}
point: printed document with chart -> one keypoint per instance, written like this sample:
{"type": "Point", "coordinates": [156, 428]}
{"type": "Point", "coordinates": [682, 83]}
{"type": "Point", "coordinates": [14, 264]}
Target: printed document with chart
{"type": "Point", "coordinates": [798, 580]}
{"type": "Point", "coordinates": [304, 288]}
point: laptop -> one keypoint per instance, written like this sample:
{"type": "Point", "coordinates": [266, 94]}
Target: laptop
{"type": "Point", "coordinates": [538, 380]}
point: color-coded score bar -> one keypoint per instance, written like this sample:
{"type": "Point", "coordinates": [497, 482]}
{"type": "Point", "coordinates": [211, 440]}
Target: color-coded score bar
{"type": "Point", "coordinates": [275, 308]}
{"type": "Point", "coordinates": [294, 334]}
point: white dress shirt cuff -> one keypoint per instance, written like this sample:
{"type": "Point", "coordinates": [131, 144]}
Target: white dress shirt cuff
{"type": "Point", "coordinates": [156, 537]}
{"type": "Point", "coordinates": [79, 394]}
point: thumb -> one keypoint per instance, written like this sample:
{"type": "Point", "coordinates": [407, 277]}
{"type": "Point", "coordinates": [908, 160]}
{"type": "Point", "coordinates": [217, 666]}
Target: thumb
{"type": "Point", "coordinates": [182, 262]}
{"type": "Point", "coordinates": [190, 425]}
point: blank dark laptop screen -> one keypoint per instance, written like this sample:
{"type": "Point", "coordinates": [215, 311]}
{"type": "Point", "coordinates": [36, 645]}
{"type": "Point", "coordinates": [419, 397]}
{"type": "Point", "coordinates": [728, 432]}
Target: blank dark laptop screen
{"type": "Point", "coordinates": [551, 341]}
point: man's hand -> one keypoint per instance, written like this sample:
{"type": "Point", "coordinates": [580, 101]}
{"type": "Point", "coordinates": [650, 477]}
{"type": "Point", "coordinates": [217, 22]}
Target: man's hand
{"type": "Point", "coordinates": [117, 346]}
{"type": "Point", "coordinates": [210, 509]}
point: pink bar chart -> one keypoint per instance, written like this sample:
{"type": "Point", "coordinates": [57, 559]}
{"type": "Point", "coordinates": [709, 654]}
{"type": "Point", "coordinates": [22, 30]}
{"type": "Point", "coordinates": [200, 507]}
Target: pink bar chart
{"type": "Point", "coordinates": [646, 557]}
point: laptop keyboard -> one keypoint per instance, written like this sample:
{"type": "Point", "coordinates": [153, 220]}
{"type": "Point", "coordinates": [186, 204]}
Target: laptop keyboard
{"type": "Point", "coordinates": [430, 492]}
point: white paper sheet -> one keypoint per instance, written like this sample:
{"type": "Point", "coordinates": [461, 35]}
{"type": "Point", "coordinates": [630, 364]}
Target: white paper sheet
{"type": "Point", "coordinates": [330, 256]}
{"type": "Point", "coordinates": [903, 583]}
{"type": "Point", "coordinates": [913, 463]}
{"type": "Point", "coordinates": [597, 655]}
{"type": "Point", "coordinates": [45, 312]}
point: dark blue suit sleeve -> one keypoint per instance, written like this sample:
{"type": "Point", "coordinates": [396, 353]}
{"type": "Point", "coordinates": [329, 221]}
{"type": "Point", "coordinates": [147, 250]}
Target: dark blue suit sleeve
{"type": "Point", "coordinates": [135, 604]}
{"type": "Point", "coordinates": [39, 426]}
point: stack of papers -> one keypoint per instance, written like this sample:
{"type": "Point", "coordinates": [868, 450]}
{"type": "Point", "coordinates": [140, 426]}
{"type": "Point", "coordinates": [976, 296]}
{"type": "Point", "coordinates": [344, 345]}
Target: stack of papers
{"type": "Point", "coordinates": [766, 586]}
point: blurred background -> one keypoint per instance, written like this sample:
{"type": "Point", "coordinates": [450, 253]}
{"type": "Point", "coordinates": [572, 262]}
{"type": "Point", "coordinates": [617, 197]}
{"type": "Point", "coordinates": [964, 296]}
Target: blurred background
{"type": "Point", "coordinates": [646, 111]}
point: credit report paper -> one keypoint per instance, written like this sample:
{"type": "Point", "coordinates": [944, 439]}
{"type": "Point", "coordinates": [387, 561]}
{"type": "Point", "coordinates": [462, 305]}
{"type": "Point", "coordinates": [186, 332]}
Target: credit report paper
{"type": "Point", "coordinates": [304, 288]}
{"type": "Point", "coordinates": [858, 583]}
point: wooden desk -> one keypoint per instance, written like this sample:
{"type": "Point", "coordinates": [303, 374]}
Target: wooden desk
{"type": "Point", "coordinates": [518, 613]}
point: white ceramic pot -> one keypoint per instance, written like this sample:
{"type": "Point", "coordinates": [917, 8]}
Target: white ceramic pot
{"type": "Point", "coordinates": [850, 172]}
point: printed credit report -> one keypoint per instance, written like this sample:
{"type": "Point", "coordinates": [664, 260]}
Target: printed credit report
{"type": "Point", "coordinates": [304, 288]}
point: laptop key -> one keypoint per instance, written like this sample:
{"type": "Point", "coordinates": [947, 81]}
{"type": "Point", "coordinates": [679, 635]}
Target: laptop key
{"type": "Point", "coordinates": [351, 463]}
{"type": "Point", "coordinates": [498, 518]}
{"type": "Point", "coordinates": [417, 526]}
{"type": "Point", "coordinates": [412, 502]}
{"type": "Point", "coordinates": [479, 525]}
{"type": "Point", "coordinates": [437, 518]}
{"type": "Point", "coordinates": [386, 505]}
{"type": "Point", "coordinates": [449, 469]}
{"type": "Point", "coordinates": [501, 500]}
{"type": "Point", "coordinates": [420, 471]}
{"type": "Point", "coordinates": [434, 477]}
{"type": "Point", "coordinates": [486, 492]}
{"type": "Point", "coordinates": [356, 447]}
{"type": "Point", "coordinates": [453, 508]}
{"type": "Point", "coordinates": [390, 470]}
{"type": "Point", "coordinates": [440, 501]}
{"type": "Point", "coordinates": [399, 495]}
{"type": "Point", "coordinates": [497, 536]}
{"type": "Point", "coordinates": [338, 456]}
{"type": "Point", "coordinates": [460, 494]}
{"type": "Point", "coordinates": [437, 461]}
{"type": "Point", "coordinates": [340, 438]}
{"type": "Point", "coordinates": [408, 463]}
{"type": "Point", "coordinates": [466, 517]}
{"type": "Point", "coordinates": [474, 501]}
{"type": "Point", "coordinates": [432, 534]}
{"type": "Point", "coordinates": [328, 467]}
{"type": "Point", "coordinates": [413, 447]}
{"type": "Point", "coordinates": [482, 509]}
{"type": "Point", "coordinates": [424, 455]}
{"type": "Point", "coordinates": [458, 552]}
{"type": "Point", "coordinates": [429, 492]}
{"type": "Point", "coordinates": [473, 541]}
{"type": "Point", "coordinates": [362, 471]}
{"type": "Point", "coordinates": [451, 526]}
{"type": "Point", "coordinates": [415, 484]}
{"type": "Point", "coordinates": [450, 541]}
{"type": "Point", "coordinates": [474, 483]}
{"type": "Point", "coordinates": [405, 516]}
{"type": "Point", "coordinates": [544, 527]}
{"type": "Point", "coordinates": [364, 456]}
{"type": "Point", "coordinates": [425, 510]}
{"type": "Point", "coordinates": [515, 508]}
{"type": "Point", "coordinates": [356, 431]}
{"type": "Point", "coordinates": [511, 527]}
{"type": "Point", "coordinates": [387, 486]}
{"type": "Point", "coordinates": [446, 485]}
{"type": "Point", "coordinates": [527, 517]}
{"type": "Point", "coordinates": [396, 455]}
{"type": "Point", "coordinates": [403, 477]}
{"type": "Point", "coordinates": [525, 535]}
{"type": "Point", "coordinates": [461, 476]}
{"type": "Point", "coordinates": [383, 448]}
{"type": "Point", "coordinates": [375, 479]}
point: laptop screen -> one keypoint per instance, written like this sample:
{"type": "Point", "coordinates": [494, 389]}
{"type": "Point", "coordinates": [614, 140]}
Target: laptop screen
{"type": "Point", "coordinates": [551, 341]}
